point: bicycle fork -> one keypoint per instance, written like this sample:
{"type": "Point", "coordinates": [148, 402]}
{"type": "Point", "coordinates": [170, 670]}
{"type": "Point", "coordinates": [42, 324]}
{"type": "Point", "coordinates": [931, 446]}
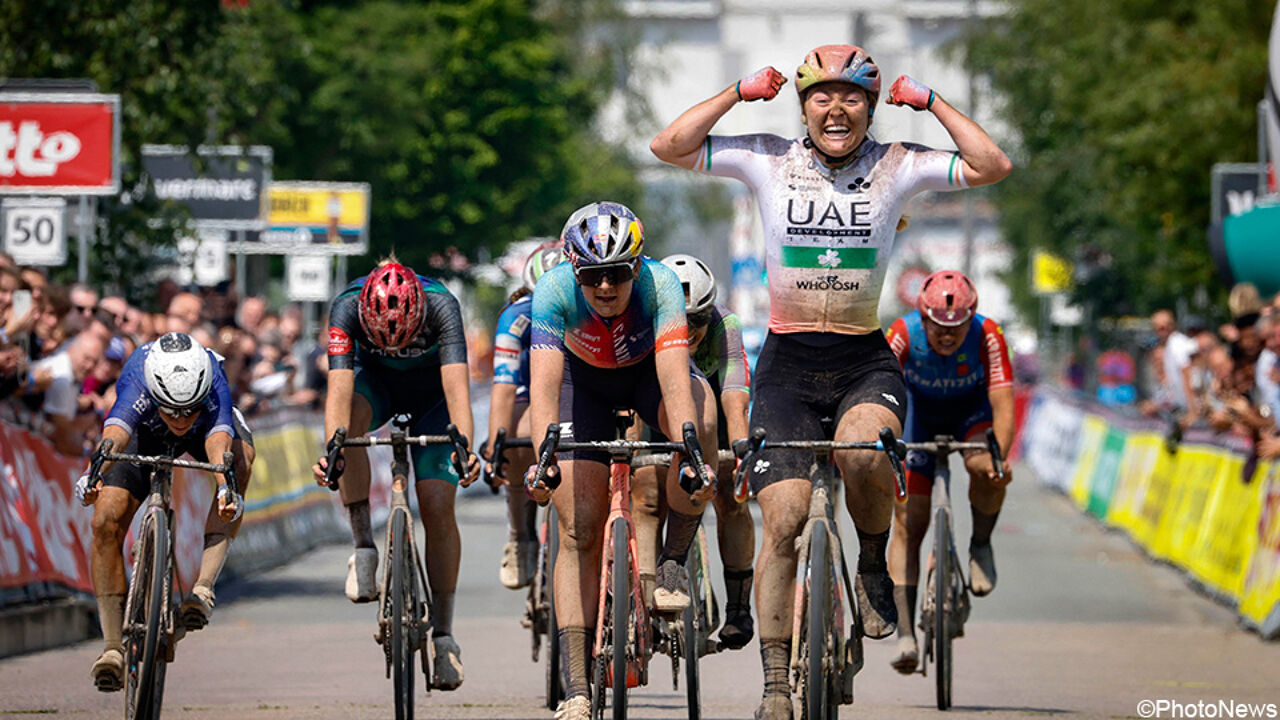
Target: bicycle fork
{"type": "Point", "coordinates": [620, 511]}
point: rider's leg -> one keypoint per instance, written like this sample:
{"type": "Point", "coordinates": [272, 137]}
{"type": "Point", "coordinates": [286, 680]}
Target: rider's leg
{"type": "Point", "coordinates": [684, 513]}
{"type": "Point", "coordinates": [218, 535]}
{"type": "Point", "coordinates": [647, 518]}
{"type": "Point", "coordinates": [354, 484]}
{"type": "Point", "coordinates": [736, 537]}
{"type": "Point", "coordinates": [910, 523]}
{"type": "Point", "coordinates": [112, 514]}
{"type": "Point", "coordinates": [520, 553]}
{"type": "Point", "coordinates": [868, 481]}
{"type": "Point", "coordinates": [582, 504]}
{"type": "Point", "coordinates": [442, 548]}
{"type": "Point", "coordinates": [784, 506]}
{"type": "Point", "coordinates": [985, 500]}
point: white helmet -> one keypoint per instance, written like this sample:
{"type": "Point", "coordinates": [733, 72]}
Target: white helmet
{"type": "Point", "coordinates": [178, 371]}
{"type": "Point", "coordinates": [696, 279]}
{"type": "Point", "coordinates": [542, 259]}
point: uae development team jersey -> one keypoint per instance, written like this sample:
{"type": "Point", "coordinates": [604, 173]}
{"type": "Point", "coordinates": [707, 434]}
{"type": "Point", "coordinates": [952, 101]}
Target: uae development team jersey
{"type": "Point", "coordinates": [511, 346]}
{"type": "Point", "coordinates": [134, 409]}
{"type": "Point", "coordinates": [828, 233]}
{"type": "Point", "coordinates": [720, 356]}
{"type": "Point", "coordinates": [654, 318]}
{"type": "Point", "coordinates": [980, 364]}
{"type": "Point", "coordinates": [439, 342]}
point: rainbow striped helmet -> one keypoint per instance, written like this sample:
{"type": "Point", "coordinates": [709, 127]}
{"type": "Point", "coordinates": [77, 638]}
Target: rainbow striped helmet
{"type": "Point", "coordinates": [840, 63]}
{"type": "Point", "coordinates": [602, 233]}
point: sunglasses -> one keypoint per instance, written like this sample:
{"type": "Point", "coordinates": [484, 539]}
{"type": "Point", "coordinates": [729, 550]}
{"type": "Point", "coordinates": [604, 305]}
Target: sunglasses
{"type": "Point", "coordinates": [595, 275]}
{"type": "Point", "coordinates": [177, 413]}
{"type": "Point", "coordinates": [86, 309]}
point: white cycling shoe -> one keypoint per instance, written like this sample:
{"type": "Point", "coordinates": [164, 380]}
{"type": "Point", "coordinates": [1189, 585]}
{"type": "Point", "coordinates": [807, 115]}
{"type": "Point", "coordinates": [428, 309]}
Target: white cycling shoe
{"type": "Point", "coordinates": [108, 671]}
{"type": "Point", "coordinates": [577, 707]}
{"type": "Point", "coordinates": [362, 575]}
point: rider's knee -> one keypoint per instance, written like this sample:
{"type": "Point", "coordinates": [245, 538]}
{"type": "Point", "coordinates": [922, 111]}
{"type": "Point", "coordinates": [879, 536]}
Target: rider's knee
{"type": "Point", "coordinates": [781, 529]}
{"type": "Point", "coordinates": [108, 526]}
{"type": "Point", "coordinates": [580, 536]}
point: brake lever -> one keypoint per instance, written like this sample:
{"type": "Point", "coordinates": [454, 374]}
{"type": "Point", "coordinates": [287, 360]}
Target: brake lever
{"type": "Point", "coordinates": [546, 454]}
{"type": "Point", "coordinates": [331, 472]}
{"type": "Point", "coordinates": [693, 454]}
{"type": "Point", "coordinates": [495, 459]}
{"type": "Point", "coordinates": [895, 450]}
{"type": "Point", "coordinates": [99, 457]}
{"type": "Point", "coordinates": [460, 450]}
{"type": "Point", "coordinates": [993, 446]}
{"type": "Point", "coordinates": [745, 449]}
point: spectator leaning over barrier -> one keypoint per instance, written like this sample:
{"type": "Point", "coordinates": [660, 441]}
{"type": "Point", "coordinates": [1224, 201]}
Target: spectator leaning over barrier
{"type": "Point", "coordinates": [1267, 371]}
{"type": "Point", "coordinates": [66, 371]}
{"type": "Point", "coordinates": [1177, 350]}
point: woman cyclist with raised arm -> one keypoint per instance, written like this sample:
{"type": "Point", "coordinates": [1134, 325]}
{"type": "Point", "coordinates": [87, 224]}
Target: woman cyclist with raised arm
{"type": "Point", "coordinates": [830, 204]}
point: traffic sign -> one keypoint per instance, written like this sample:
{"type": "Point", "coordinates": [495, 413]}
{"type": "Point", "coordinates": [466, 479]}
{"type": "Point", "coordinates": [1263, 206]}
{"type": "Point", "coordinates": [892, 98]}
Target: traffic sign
{"type": "Point", "coordinates": [34, 232]}
{"type": "Point", "coordinates": [308, 277]}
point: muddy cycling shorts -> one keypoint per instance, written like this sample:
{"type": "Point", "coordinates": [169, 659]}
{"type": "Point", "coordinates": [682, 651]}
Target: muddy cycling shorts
{"type": "Point", "coordinates": [802, 378]}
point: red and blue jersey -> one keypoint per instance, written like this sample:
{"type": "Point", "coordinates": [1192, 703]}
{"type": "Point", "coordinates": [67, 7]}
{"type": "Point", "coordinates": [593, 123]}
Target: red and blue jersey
{"type": "Point", "coordinates": [980, 364]}
{"type": "Point", "coordinates": [653, 321]}
{"type": "Point", "coordinates": [511, 346]}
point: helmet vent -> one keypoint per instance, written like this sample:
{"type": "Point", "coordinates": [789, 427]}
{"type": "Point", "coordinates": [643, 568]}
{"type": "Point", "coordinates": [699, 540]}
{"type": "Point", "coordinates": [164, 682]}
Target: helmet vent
{"type": "Point", "coordinates": [175, 342]}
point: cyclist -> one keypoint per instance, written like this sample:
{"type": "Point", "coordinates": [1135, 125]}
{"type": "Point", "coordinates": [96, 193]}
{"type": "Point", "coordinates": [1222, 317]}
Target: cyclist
{"type": "Point", "coordinates": [609, 331]}
{"type": "Point", "coordinates": [507, 405]}
{"type": "Point", "coordinates": [172, 397]}
{"type": "Point", "coordinates": [715, 343]}
{"type": "Point", "coordinates": [959, 383]}
{"type": "Point", "coordinates": [396, 346]}
{"type": "Point", "coordinates": [830, 203]}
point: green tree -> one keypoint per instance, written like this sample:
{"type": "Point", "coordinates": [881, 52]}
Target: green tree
{"type": "Point", "coordinates": [1121, 107]}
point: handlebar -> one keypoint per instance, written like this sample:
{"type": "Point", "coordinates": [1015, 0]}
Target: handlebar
{"type": "Point", "coordinates": [500, 445]}
{"type": "Point", "coordinates": [945, 445]}
{"type": "Point", "coordinates": [693, 455]}
{"type": "Point", "coordinates": [551, 444]}
{"type": "Point", "coordinates": [993, 447]}
{"type": "Point", "coordinates": [340, 440]}
{"type": "Point", "coordinates": [888, 444]}
{"type": "Point", "coordinates": [166, 461]}
{"type": "Point", "coordinates": [99, 457]}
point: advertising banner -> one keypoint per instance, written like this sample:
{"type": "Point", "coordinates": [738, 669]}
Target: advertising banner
{"type": "Point", "coordinates": [314, 218]}
{"type": "Point", "coordinates": [225, 190]}
{"type": "Point", "coordinates": [59, 144]}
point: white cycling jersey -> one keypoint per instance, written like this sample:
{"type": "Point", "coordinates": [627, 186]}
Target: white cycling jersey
{"type": "Point", "coordinates": [828, 233]}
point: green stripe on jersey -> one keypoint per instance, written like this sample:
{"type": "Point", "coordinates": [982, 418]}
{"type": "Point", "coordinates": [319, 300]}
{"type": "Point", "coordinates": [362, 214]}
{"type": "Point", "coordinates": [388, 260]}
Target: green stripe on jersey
{"type": "Point", "coordinates": [706, 148]}
{"type": "Point", "coordinates": [829, 258]}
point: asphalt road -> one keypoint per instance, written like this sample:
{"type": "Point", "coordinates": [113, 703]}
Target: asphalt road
{"type": "Point", "coordinates": [1081, 625]}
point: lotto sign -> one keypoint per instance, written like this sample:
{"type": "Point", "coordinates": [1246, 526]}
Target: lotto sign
{"type": "Point", "coordinates": [308, 277]}
{"type": "Point", "coordinates": [34, 233]}
{"type": "Point", "coordinates": [59, 144]}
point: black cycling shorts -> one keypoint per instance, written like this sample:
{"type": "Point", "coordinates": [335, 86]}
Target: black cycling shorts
{"type": "Point", "coordinates": [590, 397]}
{"type": "Point", "coordinates": [137, 479]}
{"type": "Point", "coordinates": [802, 378]}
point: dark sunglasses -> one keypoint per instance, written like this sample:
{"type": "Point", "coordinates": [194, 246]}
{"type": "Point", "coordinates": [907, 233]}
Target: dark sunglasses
{"type": "Point", "coordinates": [595, 275]}
{"type": "Point", "coordinates": [700, 319]}
{"type": "Point", "coordinates": [84, 308]}
{"type": "Point", "coordinates": [177, 413]}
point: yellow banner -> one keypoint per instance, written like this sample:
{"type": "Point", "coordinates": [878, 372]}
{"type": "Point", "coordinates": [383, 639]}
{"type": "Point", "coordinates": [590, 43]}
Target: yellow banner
{"type": "Point", "coordinates": [282, 477]}
{"type": "Point", "coordinates": [1197, 467]}
{"type": "Point", "coordinates": [1050, 273]}
{"type": "Point", "coordinates": [1142, 450]}
{"type": "Point", "coordinates": [318, 205]}
{"type": "Point", "coordinates": [1217, 558]}
{"type": "Point", "coordinates": [1092, 432]}
{"type": "Point", "coordinates": [1153, 504]}
{"type": "Point", "coordinates": [1260, 586]}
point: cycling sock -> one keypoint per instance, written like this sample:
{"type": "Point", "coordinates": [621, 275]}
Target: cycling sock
{"type": "Point", "coordinates": [737, 589]}
{"type": "Point", "coordinates": [871, 549]}
{"type": "Point", "coordinates": [681, 530]}
{"type": "Point", "coordinates": [905, 597]}
{"type": "Point", "coordinates": [442, 613]}
{"type": "Point", "coordinates": [216, 547]}
{"type": "Point", "coordinates": [983, 524]}
{"type": "Point", "coordinates": [775, 656]}
{"type": "Point", "coordinates": [530, 519]}
{"type": "Point", "coordinates": [361, 525]}
{"type": "Point", "coordinates": [575, 648]}
{"type": "Point", "coordinates": [111, 617]}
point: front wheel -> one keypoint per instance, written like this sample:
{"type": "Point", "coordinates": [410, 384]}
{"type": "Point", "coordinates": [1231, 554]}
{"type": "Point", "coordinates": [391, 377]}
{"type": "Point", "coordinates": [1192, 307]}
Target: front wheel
{"type": "Point", "coordinates": [555, 684]}
{"type": "Point", "coordinates": [402, 611]}
{"type": "Point", "coordinates": [942, 607]}
{"type": "Point", "coordinates": [691, 640]}
{"type": "Point", "coordinates": [621, 585]}
{"type": "Point", "coordinates": [144, 668]}
{"type": "Point", "coordinates": [817, 698]}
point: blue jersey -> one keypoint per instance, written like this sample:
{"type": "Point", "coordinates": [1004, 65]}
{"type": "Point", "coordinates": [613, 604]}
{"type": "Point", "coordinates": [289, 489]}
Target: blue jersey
{"type": "Point", "coordinates": [511, 347]}
{"type": "Point", "coordinates": [980, 364]}
{"type": "Point", "coordinates": [134, 409]}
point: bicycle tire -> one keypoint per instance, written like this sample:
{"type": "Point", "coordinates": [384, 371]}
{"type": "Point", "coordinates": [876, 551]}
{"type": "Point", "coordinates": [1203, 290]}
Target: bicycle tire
{"type": "Point", "coordinates": [147, 591]}
{"type": "Point", "coordinates": [817, 688]}
{"type": "Point", "coordinates": [941, 588]}
{"type": "Point", "coordinates": [597, 687]}
{"type": "Point", "coordinates": [692, 640]}
{"type": "Point", "coordinates": [402, 649]}
{"type": "Point", "coordinates": [621, 611]}
{"type": "Point", "coordinates": [555, 684]}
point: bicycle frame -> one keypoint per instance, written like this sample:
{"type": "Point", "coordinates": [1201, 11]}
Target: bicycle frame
{"type": "Point", "coordinates": [620, 511]}
{"type": "Point", "coordinates": [420, 631]}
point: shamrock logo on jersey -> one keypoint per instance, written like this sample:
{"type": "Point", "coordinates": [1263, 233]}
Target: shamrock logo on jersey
{"type": "Point", "coordinates": [829, 259]}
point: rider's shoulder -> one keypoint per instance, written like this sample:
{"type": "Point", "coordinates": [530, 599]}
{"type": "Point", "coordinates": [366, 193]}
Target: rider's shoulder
{"type": "Point", "coordinates": [755, 143]}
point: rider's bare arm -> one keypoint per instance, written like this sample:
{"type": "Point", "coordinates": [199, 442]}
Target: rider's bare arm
{"type": "Point", "coordinates": [502, 410]}
{"type": "Point", "coordinates": [677, 394]}
{"type": "Point", "coordinates": [546, 372]}
{"type": "Point", "coordinates": [983, 161]}
{"type": "Point", "coordinates": [337, 405]}
{"type": "Point", "coordinates": [1002, 416]}
{"type": "Point", "coordinates": [456, 379]}
{"type": "Point", "coordinates": [681, 142]}
{"type": "Point", "coordinates": [735, 404]}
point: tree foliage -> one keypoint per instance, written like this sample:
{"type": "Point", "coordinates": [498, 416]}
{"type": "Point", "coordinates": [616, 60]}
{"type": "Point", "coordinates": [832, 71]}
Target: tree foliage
{"type": "Point", "coordinates": [1121, 108]}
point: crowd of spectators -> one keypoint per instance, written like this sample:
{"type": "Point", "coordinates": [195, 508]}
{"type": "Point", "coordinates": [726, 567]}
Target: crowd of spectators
{"type": "Point", "coordinates": [62, 348]}
{"type": "Point", "coordinates": [1228, 378]}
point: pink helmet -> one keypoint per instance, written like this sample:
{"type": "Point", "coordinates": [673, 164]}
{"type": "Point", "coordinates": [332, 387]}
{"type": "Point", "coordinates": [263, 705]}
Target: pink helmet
{"type": "Point", "coordinates": [392, 305]}
{"type": "Point", "coordinates": [840, 63]}
{"type": "Point", "coordinates": [948, 298]}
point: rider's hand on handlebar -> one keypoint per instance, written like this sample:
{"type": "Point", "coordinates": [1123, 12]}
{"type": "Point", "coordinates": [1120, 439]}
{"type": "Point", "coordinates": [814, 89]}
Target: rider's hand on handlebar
{"type": "Point", "coordinates": [704, 492]}
{"type": "Point", "coordinates": [230, 504]}
{"type": "Point", "coordinates": [87, 492]}
{"type": "Point", "coordinates": [537, 489]}
{"type": "Point", "coordinates": [473, 468]}
{"type": "Point", "coordinates": [322, 466]}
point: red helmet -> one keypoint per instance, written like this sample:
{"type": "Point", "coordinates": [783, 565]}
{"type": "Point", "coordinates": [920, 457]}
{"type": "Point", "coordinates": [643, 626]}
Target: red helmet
{"type": "Point", "coordinates": [948, 298]}
{"type": "Point", "coordinates": [391, 306]}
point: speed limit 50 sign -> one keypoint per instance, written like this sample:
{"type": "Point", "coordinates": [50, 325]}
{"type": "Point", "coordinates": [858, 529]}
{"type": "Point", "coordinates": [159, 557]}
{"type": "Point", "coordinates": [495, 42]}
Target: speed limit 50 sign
{"type": "Point", "coordinates": [34, 233]}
